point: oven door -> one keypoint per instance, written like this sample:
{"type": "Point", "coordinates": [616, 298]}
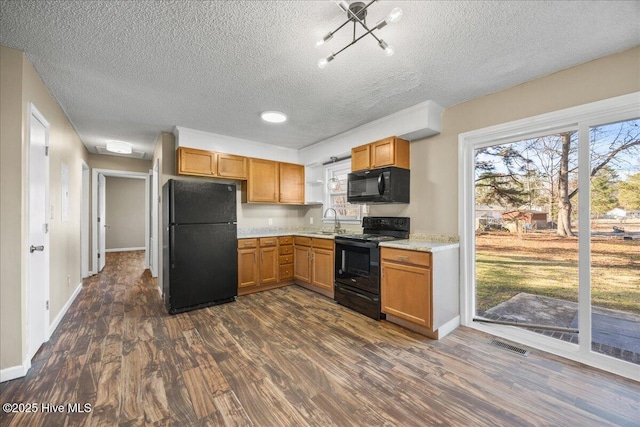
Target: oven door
{"type": "Point", "coordinates": [357, 264]}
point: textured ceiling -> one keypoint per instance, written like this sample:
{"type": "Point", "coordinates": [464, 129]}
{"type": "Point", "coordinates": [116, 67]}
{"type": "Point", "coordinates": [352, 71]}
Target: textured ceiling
{"type": "Point", "coordinates": [129, 69]}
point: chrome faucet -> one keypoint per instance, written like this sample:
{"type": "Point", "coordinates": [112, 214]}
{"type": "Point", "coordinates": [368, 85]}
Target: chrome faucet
{"type": "Point", "coordinates": [336, 223]}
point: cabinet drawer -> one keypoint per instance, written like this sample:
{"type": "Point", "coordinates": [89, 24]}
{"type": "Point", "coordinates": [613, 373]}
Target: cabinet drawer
{"type": "Point", "coordinates": [302, 241]}
{"type": "Point", "coordinates": [286, 250]}
{"type": "Point", "coordinates": [323, 243]}
{"type": "Point", "coordinates": [286, 271]}
{"type": "Point", "coordinates": [247, 243]}
{"type": "Point", "coordinates": [285, 240]}
{"type": "Point", "coordinates": [406, 257]}
{"type": "Point", "coordinates": [285, 259]}
{"type": "Point", "coordinates": [268, 241]}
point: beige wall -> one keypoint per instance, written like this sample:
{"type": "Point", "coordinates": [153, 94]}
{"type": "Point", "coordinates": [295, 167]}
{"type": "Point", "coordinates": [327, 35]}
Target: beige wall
{"type": "Point", "coordinates": [11, 171]}
{"type": "Point", "coordinates": [20, 86]}
{"type": "Point", "coordinates": [125, 213]}
{"type": "Point", "coordinates": [101, 161]}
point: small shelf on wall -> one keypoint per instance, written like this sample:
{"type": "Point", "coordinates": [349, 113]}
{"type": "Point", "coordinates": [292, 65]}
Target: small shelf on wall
{"type": "Point", "coordinates": [315, 182]}
{"type": "Point", "coordinates": [312, 203]}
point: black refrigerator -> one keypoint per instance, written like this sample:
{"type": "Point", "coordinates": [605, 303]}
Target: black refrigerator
{"type": "Point", "coordinates": [200, 259]}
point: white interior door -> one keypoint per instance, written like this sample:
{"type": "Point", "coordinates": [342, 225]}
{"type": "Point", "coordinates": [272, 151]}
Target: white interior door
{"type": "Point", "coordinates": [84, 222]}
{"type": "Point", "coordinates": [38, 257]}
{"type": "Point", "coordinates": [102, 221]}
{"type": "Point", "coordinates": [155, 206]}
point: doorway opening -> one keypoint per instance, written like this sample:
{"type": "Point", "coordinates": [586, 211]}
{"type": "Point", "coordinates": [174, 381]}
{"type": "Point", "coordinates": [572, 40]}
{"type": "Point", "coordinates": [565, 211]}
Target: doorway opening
{"type": "Point", "coordinates": [99, 209]}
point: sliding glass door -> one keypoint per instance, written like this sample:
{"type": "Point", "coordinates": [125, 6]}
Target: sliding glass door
{"type": "Point", "coordinates": [526, 244]}
{"type": "Point", "coordinates": [615, 239]}
{"type": "Point", "coordinates": [550, 232]}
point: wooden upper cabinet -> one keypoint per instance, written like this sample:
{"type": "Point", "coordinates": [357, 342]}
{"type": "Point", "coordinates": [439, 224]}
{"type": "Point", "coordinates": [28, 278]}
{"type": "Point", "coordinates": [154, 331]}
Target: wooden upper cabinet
{"type": "Point", "coordinates": [262, 181]}
{"type": "Point", "coordinates": [196, 162]}
{"type": "Point", "coordinates": [232, 166]}
{"type": "Point", "coordinates": [192, 161]}
{"type": "Point", "coordinates": [291, 183]}
{"type": "Point", "coordinates": [392, 151]}
{"type": "Point", "coordinates": [361, 158]}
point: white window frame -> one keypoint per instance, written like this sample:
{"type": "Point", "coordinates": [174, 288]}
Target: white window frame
{"type": "Point", "coordinates": [580, 118]}
{"type": "Point", "coordinates": [328, 174]}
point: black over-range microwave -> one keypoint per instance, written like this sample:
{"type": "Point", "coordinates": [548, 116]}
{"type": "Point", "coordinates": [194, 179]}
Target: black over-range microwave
{"type": "Point", "coordinates": [386, 185]}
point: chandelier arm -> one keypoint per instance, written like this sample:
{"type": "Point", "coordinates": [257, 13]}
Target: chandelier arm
{"type": "Point", "coordinates": [356, 40]}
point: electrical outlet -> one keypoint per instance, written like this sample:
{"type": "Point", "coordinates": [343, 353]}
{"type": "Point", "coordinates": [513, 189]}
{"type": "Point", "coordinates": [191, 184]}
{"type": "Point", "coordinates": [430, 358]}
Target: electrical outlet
{"type": "Point", "coordinates": [311, 220]}
{"type": "Point", "coordinates": [270, 221]}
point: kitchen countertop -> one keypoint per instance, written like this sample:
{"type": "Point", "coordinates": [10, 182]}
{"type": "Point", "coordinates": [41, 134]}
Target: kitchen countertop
{"type": "Point", "coordinates": [254, 234]}
{"type": "Point", "coordinates": [420, 245]}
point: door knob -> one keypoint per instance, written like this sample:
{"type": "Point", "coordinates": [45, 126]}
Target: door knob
{"type": "Point", "coordinates": [32, 249]}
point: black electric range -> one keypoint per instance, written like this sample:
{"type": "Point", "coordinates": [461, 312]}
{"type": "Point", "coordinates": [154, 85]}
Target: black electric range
{"type": "Point", "coordinates": [357, 263]}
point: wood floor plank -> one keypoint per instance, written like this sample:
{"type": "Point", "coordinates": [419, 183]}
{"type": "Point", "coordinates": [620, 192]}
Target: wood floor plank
{"type": "Point", "coordinates": [290, 357]}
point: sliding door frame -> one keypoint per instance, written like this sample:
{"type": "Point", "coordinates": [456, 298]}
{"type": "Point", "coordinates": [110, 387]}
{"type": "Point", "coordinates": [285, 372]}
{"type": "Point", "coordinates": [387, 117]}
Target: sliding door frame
{"type": "Point", "coordinates": [581, 119]}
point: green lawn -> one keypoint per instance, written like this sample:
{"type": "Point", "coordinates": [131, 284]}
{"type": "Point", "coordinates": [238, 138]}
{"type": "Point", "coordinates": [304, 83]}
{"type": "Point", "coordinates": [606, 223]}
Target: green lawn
{"type": "Point", "coordinates": [503, 272]}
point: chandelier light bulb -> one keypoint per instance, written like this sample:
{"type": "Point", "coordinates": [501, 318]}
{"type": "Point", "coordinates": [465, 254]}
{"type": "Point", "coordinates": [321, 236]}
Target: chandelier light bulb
{"type": "Point", "coordinates": [388, 50]}
{"type": "Point", "coordinates": [325, 39]}
{"type": "Point", "coordinates": [343, 5]}
{"type": "Point", "coordinates": [325, 61]}
{"type": "Point", "coordinates": [395, 15]}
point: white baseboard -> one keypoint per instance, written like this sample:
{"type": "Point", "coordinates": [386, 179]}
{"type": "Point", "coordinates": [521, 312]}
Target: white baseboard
{"type": "Point", "coordinates": [448, 327]}
{"type": "Point", "coordinates": [125, 249]}
{"type": "Point", "coordinates": [14, 372]}
{"type": "Point", "coordinates": [58, 319]}
{"type": "Point", "coordinates": [20, 371]}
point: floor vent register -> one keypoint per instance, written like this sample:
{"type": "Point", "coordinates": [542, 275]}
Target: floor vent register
{"type": "Point", "coordinates": [510, 347]}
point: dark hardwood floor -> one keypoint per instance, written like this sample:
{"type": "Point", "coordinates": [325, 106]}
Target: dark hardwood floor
{"type": "Point", "coordinates": [289, 357]}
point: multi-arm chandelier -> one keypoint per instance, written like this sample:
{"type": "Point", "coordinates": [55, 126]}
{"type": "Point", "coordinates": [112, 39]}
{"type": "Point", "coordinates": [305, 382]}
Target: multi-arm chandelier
{"type": "Point", "coordinates": [357, 13]}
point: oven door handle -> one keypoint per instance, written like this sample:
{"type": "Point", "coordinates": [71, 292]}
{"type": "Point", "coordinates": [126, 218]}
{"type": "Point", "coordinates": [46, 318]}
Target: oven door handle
{"type": "Point", "coordinates": [357, 294]}
{"type": "Point", "coordinates": [356, 244]}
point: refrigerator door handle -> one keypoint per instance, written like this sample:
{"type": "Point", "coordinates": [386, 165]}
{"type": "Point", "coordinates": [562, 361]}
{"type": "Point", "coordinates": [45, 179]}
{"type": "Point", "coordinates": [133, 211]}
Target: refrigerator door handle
{"type": "Point", "coordinates": [172, 248]}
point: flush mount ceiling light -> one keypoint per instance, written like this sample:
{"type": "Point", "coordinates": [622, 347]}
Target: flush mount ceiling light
{"type": "Point", "coordinates": [119, 147]}
{"type": "Point", "coordinates": [273, 116]}
{"type": "Point", "coordinates": [357, 13]}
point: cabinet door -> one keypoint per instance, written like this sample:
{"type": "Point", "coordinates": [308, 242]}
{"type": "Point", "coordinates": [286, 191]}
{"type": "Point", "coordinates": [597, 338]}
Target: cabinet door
{"type": "Point", "coordinates": [406, 293]}
{"type": "Point", "coordinates": [262, 182]}
{"type": "Point", "coordinates": [231, 166]}
{"type": "Point", "coordinates": [268, 265]}
{"type": "Point", "coordinates": [196, 162]}
{"type": "Point", "coordinates": [383, 153]}
{"type": "Point", "coordinates": [291, 183]}
{"type": "Point", "coordinates": [360, 158]}
{"type": "Point", "coordinates": [302, 263]}
{"type": "Point", "coordinates": [248, 274]}
{"type": "Point", "coordinates": [322, 268]}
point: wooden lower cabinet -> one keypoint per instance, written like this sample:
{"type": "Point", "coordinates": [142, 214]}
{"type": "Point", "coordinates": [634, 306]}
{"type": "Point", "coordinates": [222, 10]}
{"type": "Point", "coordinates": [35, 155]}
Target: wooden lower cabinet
{"type": "Point", "coordinates": [268, 263]}
{"type": "Point", "coordinates": [285, 257]}
{"type": "Point", "coordinates": [259, 265]}
{"type": "Point", "coordinates": [420, 290]}
{"type": "Point", "coordinates": [302, 259]}
{"type": "Point", "coordinates": [406, 292]}
{"type": "Point", "coordinates": [248, 272]}
{"type": "Point", "coordinates": [314, 264]}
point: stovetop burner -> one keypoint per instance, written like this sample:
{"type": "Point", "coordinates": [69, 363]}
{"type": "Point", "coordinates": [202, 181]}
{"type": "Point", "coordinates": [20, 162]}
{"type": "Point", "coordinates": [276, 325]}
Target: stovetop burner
{"type": "Point", "coordinates": [381, 229]}
{"type": "Point", "coordinates": [369, 237]}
